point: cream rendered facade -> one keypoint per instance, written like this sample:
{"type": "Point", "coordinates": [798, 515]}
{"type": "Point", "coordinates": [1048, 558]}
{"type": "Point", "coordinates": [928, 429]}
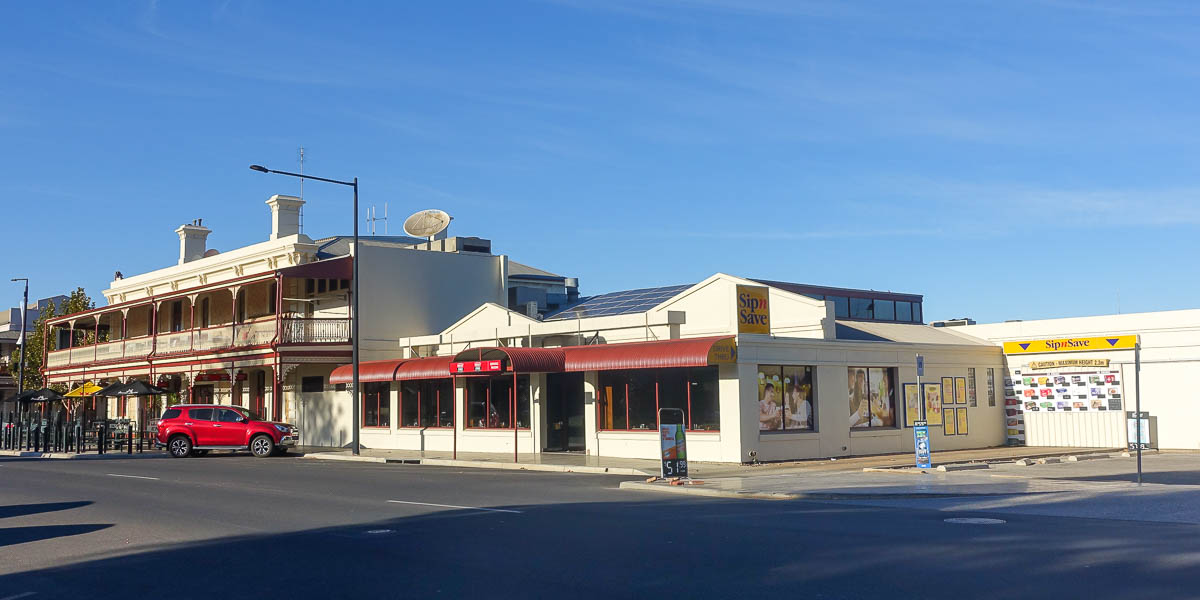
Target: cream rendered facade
{"type": "Point", "coordinates": [247, 326]}
{"type": "Point", "coordinates": [1169, 364]}
{"type": "Point", "coordinates": [803, 331]}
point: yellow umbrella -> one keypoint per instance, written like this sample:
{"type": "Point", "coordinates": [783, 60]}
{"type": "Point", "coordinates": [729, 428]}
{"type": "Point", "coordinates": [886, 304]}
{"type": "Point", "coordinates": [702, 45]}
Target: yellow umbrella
{"type": "Point", "coordinates": [87, 389]}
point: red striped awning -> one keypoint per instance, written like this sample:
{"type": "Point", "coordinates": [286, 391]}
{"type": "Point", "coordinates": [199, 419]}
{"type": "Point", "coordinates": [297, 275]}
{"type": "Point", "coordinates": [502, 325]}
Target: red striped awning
{"type": "Point", "coordinates": [520, 360]}
{"type": "Point", "coordinates": [665, 354]}
{"type": "Point", "coordinates": [368, 371]}
{"type": "Point", "coordinates": [424, 368]}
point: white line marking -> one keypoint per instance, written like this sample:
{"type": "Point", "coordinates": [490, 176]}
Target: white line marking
{"type": "Point", "coordinates": [117, 475]}
{"type": "Point", "coordinates": [449, 506]}
{"type": "Point", "coordinates": [24, 595]}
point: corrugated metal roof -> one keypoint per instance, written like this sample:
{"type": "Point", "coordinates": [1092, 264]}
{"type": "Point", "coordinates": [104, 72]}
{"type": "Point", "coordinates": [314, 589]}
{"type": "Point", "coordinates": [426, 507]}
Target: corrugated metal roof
{"type": "Point", "coordinates": [520, 360]}
{"type": "Point", "coordinates": [434, 367]}
{"type": "Point", "coordinates": [663, 354]}
{"type": "Point", "coordinates": [368, 371]}
{"type": "Point", "coordinates": [900, 332]}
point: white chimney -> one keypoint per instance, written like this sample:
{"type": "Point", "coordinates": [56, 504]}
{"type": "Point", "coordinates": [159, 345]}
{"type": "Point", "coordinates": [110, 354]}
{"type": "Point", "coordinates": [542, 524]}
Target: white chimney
{"type": "Point", "coordinates": [285, 215]}
{"type": "Point", "coordinates": [193, 237]}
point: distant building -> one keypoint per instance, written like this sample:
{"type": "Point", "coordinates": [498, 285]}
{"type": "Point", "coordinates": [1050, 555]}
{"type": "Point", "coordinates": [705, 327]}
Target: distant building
{"type": "Point", "coordinates": [10, 335]}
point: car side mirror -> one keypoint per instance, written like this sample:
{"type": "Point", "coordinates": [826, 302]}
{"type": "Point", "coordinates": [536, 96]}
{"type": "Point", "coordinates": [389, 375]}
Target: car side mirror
{"type": "Point", "coordinates": [241, 419]}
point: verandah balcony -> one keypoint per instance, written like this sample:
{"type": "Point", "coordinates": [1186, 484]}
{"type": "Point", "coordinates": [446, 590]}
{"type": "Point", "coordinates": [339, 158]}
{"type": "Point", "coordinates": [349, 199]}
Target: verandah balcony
{"type": "Point", "coordinates": [228, 336]}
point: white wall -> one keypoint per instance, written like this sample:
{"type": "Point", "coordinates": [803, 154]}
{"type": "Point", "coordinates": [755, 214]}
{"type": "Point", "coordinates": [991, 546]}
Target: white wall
{"type": "Point", "coordinates": [1170, 365]}
{"type": "Point", "coordinates": [418, 292]}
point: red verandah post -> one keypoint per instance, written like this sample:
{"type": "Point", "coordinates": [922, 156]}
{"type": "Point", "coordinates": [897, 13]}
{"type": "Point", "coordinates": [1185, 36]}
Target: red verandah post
{"type": "Point", "coordinates": [513, 407]}
{"type": "Point", "coordinates": [454, 426]}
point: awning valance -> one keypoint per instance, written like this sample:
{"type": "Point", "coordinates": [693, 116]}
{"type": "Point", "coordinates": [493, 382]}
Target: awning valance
{"type": "Point", "coordinates": [368, 371]}
{"type": "Point", "coordinates": [514, 360]}
{"type": "Point", "coordinates": [664, 354]}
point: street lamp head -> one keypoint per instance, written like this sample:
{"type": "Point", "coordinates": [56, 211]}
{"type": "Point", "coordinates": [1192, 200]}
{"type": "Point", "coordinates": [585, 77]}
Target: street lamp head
{"type": "Point", "coordinates": [19, 279]}
{"type": "Point", "coordinates": [259, 168]}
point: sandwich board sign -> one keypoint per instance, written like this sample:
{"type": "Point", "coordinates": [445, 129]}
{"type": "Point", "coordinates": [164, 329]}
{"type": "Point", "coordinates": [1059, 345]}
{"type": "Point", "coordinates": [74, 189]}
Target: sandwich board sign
{"type": "Point", "coordinates": [674, 446]}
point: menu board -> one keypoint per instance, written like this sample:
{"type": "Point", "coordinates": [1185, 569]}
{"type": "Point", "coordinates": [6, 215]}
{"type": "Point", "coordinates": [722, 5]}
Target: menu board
{"type": "Point", "coordinates": [1074, 391]}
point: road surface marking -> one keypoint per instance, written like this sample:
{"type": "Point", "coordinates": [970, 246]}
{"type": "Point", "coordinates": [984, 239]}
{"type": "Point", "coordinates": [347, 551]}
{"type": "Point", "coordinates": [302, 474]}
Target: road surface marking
{"type": "Point", "coordinates": [975, 521]}
{"type": "Point", "coordinates": [118, 475]}
{"type": "Point", "coordinates": [24, 595]}
{"type": "Point", "coordinates": [452, 506]}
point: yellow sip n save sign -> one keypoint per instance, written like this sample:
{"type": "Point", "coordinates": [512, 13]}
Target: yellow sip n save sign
{"type": "Point", "coordinates": [1113, 342]}
{"type": "Point", "coordinates": [753, 310]}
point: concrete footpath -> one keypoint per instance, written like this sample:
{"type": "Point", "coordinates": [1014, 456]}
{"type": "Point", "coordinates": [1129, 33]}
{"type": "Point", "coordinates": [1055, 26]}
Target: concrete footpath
{"type": "Point", "coordinates": [580, 463]}
{"type": "Point", "coordinates": [90, 455]}
{"type": "Point", "coordinates": [1176, 475]}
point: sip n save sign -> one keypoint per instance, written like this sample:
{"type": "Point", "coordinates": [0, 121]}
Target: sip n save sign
{"type": "Point", "coordinates": [1115, 342]}
{"type": "Point", "coordinates": [753, 311]}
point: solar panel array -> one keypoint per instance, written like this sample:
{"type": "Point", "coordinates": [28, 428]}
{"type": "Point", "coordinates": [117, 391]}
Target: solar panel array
{"type": "Point", "coordinates": [617, 303]}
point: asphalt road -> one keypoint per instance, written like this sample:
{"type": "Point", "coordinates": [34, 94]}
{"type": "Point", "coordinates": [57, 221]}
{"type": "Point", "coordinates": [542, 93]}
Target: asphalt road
{"type": "Point", "coordinates": [238, 527]}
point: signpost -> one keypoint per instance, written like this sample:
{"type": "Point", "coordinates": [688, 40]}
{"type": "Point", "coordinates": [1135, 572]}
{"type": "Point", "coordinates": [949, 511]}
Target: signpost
{"type": "Point", "coordinates": [921, 444]}
{"type": "Point", "coordinates": [674, 448]}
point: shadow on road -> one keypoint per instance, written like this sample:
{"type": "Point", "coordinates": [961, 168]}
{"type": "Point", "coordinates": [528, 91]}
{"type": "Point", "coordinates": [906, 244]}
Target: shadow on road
{"type": "Point", "coordinates": [20, 535]}
{"type": "Point", "coordinates": [18, 510]}
{"type": "Point", "coordinates": [1161, 477]}
{"type": "Point", "coordinates": [681, 548]}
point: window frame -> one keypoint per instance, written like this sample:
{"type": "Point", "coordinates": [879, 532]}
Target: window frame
{"type": "Point", "coordinates": [381, 400]}
{"type": "Point", "coordinates": [689, 381]}
{"type": "Point", "coordinates": [512, 404]}
{"type": "Point", "coordinates": [812, 400]}
{"type": "Point", "coordinates": [891, 374]}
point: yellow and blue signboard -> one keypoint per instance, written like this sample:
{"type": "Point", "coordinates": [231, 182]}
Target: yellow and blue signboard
{"type": "Point", "coordinates": [1082, 344]}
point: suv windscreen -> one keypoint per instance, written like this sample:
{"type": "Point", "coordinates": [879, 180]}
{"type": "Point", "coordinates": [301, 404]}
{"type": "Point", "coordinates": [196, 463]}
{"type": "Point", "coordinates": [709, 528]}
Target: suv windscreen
{"type": "Point", "coordinates": [201, 414]}
{"type": "Point", "coordinates": [229, 416]}
{"type": "Point", "coordinates": [253, 415]}
{"type": "Point", "coordinates": [171, 413]}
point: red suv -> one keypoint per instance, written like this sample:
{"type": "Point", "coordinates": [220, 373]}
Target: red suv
{"type": "Point", "coordinates": [194, 429]}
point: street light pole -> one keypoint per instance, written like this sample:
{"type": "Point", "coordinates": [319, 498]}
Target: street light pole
{"type": "Point", "coordinates": [24, 307]}
{"type": "Point", "coordinates": [356, 392]}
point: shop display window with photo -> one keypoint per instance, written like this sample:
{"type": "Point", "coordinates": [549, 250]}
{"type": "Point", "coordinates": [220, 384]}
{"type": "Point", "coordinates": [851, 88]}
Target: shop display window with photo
{"type": "Point", "coordinates": [785, 398]}
{"type": "Point", "coordinates": [872, 397]}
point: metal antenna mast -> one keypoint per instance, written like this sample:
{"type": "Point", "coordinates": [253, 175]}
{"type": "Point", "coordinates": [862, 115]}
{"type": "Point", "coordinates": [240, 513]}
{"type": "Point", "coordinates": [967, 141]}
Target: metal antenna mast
{"type": "Point", "coordinates": [302, 189]}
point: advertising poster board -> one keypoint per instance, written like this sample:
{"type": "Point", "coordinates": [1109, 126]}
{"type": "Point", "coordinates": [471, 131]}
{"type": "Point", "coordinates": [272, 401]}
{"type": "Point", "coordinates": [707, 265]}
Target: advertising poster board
{"type": "Point", "coordinates": [960, 390]}
{"type": "Point", "coordinates": [933, 404]}
{"type": "Point", "coordinates": [947, 390]}
{"type": "Point", "coordinates": [770, 398]}
{"type": "Point", "coordinates": [674, 446]}
{"type": "Point", "coordinates": [921, 444]}
{"type": "Point", "coordinates": [962, 421]}
{"type": "Point", "coordinates": [949, 421]}
{"type": "Point", "coordinates": [912, 404]}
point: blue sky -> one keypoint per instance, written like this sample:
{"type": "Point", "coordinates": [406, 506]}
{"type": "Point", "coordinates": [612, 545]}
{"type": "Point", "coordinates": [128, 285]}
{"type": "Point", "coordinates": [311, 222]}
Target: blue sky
{"type": "Point", "coordinates": [1006, 159]}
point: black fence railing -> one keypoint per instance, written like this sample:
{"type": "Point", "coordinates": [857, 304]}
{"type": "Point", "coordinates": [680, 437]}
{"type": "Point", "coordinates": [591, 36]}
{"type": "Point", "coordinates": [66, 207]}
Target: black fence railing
{"type": "Point", "coordinates": [32, 433]}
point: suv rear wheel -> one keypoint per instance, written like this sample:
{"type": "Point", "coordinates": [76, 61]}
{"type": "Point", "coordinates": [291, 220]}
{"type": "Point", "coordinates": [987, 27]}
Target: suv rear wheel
{"type": "Point", "coordinates": [179, 446]}
{"type": "Point", "coordinates": [262, 446]}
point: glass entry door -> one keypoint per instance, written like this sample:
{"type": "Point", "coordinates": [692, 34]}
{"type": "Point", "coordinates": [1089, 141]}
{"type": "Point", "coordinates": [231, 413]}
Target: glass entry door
{"type": "Point", "coordinates": [564, 412]}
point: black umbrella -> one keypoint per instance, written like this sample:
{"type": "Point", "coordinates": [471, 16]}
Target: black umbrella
{"type": "Point", "coordinates": [42, 395]}
{"type": "Point", "coordinates": [134, 388]}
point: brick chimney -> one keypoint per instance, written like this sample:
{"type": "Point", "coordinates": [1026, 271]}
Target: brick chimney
{"type": "Point", "coordinates": [285, 215]}
{"type": "Point", "coordinates": [193, 239]}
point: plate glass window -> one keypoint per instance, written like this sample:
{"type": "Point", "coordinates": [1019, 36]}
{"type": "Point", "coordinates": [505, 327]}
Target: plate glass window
{"type": "Point", "coordinates": [872, 397]}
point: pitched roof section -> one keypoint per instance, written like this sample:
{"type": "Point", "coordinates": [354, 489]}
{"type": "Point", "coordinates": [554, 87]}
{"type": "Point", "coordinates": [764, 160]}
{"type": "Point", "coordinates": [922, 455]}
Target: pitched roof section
{"type": "Point", "coordinates": [516, 268]}
{"type": "Point", "coordinates": [618, 303]}
{"type": "Point", "coordinates": [805, 289]}
{"type": "Point", "coordinates": [872, 331]}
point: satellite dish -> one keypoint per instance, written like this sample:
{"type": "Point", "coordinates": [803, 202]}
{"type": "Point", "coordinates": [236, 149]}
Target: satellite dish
{"type": "Point", "coordinates": [427, 223]}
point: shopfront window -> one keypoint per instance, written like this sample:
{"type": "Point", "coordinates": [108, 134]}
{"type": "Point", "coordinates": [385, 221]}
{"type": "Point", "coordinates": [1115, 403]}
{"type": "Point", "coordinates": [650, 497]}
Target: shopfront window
{"type": "Point", "coordinates": [630, 400]}
{"type": "Point", "coordinates": [427, 403]}
{"type": "Point", "coordinates": [490, 402]}
{"type": "Point", "coordinates": [872, 397]}
{"type": "Point", "coordinates": [785, 398]}
{"type": "Point", "coordinates": [376, 404]}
